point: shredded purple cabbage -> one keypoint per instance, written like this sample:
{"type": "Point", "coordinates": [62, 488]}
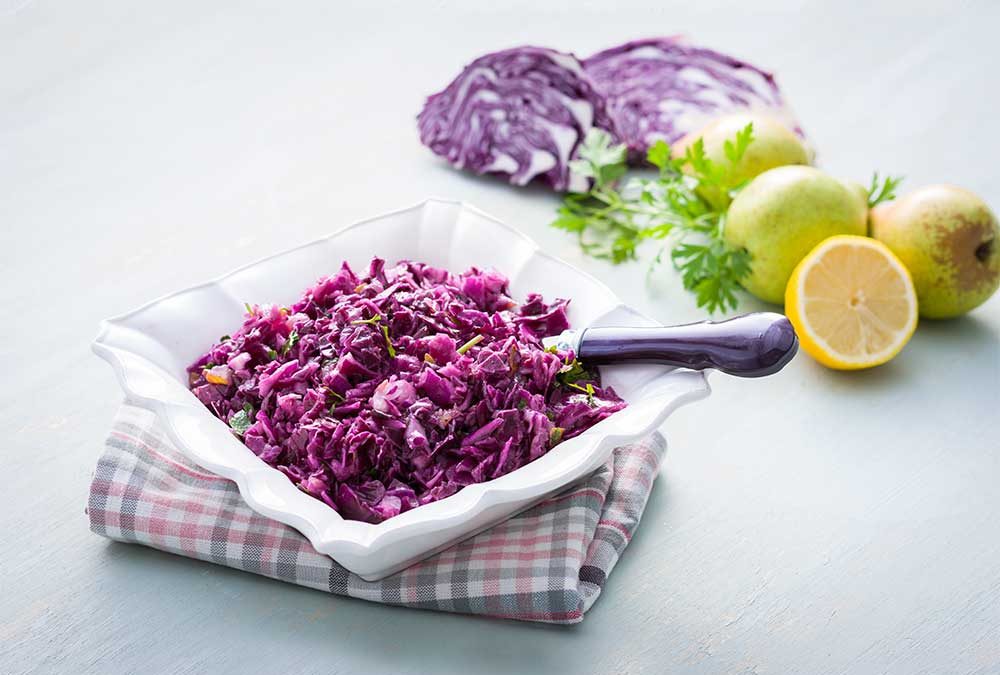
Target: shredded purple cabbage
{"type": "Point", "coordinates": [664, 88]}
{"type": "Point", "coordinates": [380, 393]}
{"type": "Point", "coordinates": [519, 113]}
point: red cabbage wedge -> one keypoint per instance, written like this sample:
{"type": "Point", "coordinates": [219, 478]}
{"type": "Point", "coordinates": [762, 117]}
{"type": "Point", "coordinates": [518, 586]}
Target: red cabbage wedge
{"type": "Point", "coordinates": [664, 88]}
{"type": "Point", "coordinates": [519, 113]}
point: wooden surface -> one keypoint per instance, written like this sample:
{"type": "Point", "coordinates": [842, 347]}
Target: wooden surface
{"type": "Point", "coordinates": [813, 522]}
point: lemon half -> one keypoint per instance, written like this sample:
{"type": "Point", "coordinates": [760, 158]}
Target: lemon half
{"type": "Point", "coordinates": [852, 303]}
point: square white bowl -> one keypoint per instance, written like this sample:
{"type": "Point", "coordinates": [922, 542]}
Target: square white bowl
{"type": "Point", "coordinates": [151, 347]}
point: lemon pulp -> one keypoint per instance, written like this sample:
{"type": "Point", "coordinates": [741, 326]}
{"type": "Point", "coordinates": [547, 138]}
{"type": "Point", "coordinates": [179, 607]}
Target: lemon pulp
{"type": "Point", "coordinates": [852, 303]}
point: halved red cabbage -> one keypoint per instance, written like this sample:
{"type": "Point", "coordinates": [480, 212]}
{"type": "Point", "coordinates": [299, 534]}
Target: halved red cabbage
{"type": "Point", "coordinates": [664, 88]}
{"type": "Point", "coordinates": [519, 113]}
{"type": "Point", "coordinates": [381, 392]}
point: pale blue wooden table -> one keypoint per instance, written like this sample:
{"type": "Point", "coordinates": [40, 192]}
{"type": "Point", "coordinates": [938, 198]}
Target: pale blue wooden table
{"type": "Point", "coordinates": [813, 522]}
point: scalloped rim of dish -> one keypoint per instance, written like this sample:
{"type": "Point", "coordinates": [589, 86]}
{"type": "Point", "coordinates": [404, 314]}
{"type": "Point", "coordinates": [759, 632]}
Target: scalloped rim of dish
{"type": "Point", "coordinates": [344, 537]}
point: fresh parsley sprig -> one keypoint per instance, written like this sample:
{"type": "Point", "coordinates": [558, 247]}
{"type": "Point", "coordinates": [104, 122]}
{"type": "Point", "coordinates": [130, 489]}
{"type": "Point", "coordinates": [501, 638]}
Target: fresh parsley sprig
{"type": "Point", "coordinates": [882, 193]}
{"type": "Point", "coordinates": [601, 217]}
{"type": "Point", "coordinates": [684, 206]}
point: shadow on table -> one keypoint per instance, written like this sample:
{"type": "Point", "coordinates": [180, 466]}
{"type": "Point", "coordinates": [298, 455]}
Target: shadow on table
{"type": "Point", "coordinates": [937, 348]}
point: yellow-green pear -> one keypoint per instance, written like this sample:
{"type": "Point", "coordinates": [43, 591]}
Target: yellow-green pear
{"type": "Point", "coordinates": [859, 191]}
{"type": "Point", "coordinates": [773, 145]}
{"type": "Point", "coordinates": [781, 215]}
{"type": "Point", "coordinates": [949, 240]}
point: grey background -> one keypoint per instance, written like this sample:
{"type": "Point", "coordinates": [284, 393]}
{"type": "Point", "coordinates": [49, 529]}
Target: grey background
{"type": "Point", "coordinates": [814, 522]}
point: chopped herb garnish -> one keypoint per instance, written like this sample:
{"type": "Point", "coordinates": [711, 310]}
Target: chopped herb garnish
{"type": "Point", "coordinates": [377, 321]}
{"type": "Point", "coordinates": [225, 337]}
{"type": "Point", "coordinates": [271, 354]}
{"type": "Point", "coordinates": [337, 397]}
{"type": "Point", "coordinates": [242, 420]}
{"type": "Point", "coordinates": [388, 342]}
{"type": "Point", "coordinates": [290, 342]}
{"type": "Point", "coordinates": [470, 344]}
{"type": "Point", "coordinates": [371, 322]}
{"type": "Point", "coordinates": [248, 307]}
{"type": "Point", "coordinates": [588, 390]}
{"type": "Point", "coordinates": [555, 435]}
{"type": "Point", "coordinates": [571, 372]}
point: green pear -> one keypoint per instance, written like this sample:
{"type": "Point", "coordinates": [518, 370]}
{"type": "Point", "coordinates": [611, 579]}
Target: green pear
{"type": "Point", "coordinates": [949, 240]}
{"type": "Point", "coordinates": [782, 215]}
{"type": "Point", "coordinates": [773, 145]}
{"type": "Point", "coordinates": [859, 191]}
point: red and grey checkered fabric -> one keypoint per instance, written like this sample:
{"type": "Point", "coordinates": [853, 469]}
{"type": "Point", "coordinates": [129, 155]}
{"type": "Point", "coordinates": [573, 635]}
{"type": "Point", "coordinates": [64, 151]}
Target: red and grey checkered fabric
{"type": "Point", "coordinates": [545, 564]}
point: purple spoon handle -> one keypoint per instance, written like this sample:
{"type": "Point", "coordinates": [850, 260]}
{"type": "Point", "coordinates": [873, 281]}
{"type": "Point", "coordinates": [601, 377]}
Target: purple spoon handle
{"type": "Point", "coordinates": [752, 345]}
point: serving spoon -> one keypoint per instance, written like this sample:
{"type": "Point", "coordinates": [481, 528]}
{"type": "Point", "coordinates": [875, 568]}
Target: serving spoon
{"type": "Point", "coordinates": [752, 345]}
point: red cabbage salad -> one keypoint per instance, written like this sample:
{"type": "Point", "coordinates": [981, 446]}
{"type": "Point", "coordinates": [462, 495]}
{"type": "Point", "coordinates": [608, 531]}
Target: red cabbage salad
{"type": "Point", "coordinates": [382, 392]}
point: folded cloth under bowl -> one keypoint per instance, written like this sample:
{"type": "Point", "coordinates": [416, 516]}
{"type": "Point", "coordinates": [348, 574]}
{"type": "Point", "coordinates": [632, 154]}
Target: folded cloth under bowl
{"type": "Point", "coordinates": [546, 564]}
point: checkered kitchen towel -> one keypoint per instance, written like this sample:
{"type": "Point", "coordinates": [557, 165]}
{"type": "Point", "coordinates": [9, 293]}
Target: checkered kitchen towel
{"type": "Point", "coordinates": [545, 564]}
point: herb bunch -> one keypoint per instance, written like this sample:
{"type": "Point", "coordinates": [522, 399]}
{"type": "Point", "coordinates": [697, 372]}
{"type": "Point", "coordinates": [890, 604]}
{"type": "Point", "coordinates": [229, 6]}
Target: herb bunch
{"type": "Point", "coordinates": [684, 206]}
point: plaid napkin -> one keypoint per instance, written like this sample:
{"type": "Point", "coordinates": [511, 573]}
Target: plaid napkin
{"type": "Point", "coordinates": [546, 564]}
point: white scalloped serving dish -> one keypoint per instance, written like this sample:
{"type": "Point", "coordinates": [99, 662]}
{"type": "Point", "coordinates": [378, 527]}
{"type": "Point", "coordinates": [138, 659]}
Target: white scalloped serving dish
{"type": "Point", "coordinates": [150, 347]}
